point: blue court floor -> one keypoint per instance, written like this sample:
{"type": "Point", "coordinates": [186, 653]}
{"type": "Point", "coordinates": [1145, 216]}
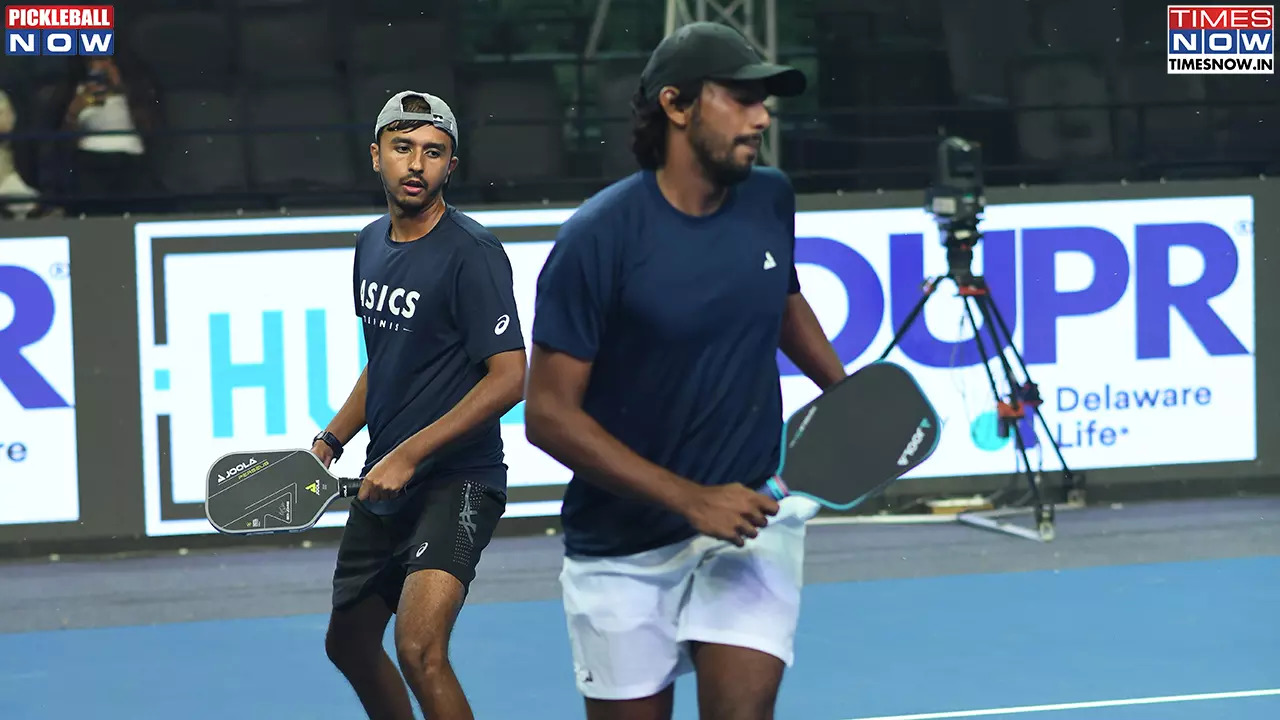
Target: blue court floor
{"type": "Point", "coordinates": [910, 649]}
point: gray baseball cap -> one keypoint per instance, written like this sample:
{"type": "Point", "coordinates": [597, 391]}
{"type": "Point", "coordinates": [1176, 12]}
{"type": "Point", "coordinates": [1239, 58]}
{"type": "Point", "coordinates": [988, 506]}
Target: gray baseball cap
{"type": "Point", "coordinates": [438, 115]}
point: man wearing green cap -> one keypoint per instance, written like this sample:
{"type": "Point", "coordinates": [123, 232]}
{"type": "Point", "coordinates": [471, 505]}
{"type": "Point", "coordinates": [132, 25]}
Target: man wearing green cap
{"type": "Point", "coordinates": [659, 315]}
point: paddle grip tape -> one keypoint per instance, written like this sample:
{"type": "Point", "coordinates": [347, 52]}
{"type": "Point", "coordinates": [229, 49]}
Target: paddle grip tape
{"type": "Point", "coordinates": [777, 489]}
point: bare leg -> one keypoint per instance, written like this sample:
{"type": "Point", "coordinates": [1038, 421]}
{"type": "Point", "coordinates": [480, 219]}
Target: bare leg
{"type": "Point", "coordinates": [354, 646]}
{"type": "Point", "coordinates": [736, 683]}
{"type": "Point", "coordinates": [429, 606]}
{"type": "Point", "coordinates": [654, 707]}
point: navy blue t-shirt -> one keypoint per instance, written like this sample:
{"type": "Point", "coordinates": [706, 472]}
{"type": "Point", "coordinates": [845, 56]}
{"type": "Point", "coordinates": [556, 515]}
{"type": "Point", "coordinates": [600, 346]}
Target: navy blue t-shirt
{"type": "Point", "coordinates": [433, 310]}
{"type": "Point", "coordinates": [681, 317]}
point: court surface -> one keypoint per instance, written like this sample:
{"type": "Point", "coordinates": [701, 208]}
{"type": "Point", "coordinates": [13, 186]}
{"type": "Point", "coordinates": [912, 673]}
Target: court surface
{"type": "Point", "coordinates": [1163, 611]}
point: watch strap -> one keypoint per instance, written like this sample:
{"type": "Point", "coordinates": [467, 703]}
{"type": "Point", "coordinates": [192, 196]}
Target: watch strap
{"type": "Point", "coordinates": [331, 440]}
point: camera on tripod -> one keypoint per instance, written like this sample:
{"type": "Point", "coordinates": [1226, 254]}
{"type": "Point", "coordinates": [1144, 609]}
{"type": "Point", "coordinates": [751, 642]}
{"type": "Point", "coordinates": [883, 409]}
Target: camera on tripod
{"type": "Point", "coordinates": [956, 201]}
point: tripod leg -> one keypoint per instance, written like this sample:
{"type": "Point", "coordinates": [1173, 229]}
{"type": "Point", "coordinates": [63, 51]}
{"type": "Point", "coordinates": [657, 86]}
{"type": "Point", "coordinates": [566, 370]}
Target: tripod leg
{"type": "Point", "coordinates": [1043, 512]}
{"type": "Point", "coordinates": [1043, 516]}
{"type": "Point", "coordinates": [911, 316]}
{"type": "Point", "coordinates": [1068, 476]}
{"type": "Point", "coordinates": [982, 350]}
{"type": "Point", "coordinates": [986, 307]}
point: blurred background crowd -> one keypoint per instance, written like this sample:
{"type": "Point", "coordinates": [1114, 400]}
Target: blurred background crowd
{"type": "Point", "coordinates": [213, 105]}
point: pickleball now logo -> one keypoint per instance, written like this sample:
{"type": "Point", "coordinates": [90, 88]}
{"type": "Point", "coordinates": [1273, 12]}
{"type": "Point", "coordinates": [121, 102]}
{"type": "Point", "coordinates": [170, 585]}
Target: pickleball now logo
{"type": "Point", "coordinates": [59, 30]}
{"type": "Point", "coordinates": [1221, 39]}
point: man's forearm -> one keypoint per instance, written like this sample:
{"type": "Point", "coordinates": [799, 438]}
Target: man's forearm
{"type": "Point", "coordinates": [577, 441]}
{"type": "Point", "coordinates": [350, 417]}
{"type": "Point", "coordinates": [492, 397]}
{"type": "Point", "coordinates": [805, 343]}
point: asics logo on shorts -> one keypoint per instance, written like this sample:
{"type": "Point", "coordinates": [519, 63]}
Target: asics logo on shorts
{"type": "Point", "coordinates": [465, 517]}
{"type": "Point", "coordinates": [421, 549]}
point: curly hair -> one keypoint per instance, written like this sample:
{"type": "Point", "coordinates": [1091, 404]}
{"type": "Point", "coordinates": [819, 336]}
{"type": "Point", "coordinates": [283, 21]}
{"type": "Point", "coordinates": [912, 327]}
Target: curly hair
{"type": "Point", "coordinates": [650, 126]}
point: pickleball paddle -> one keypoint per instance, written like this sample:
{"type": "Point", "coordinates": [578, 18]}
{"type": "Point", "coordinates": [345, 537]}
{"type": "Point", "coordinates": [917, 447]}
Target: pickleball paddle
{"type": "Point", "coordinates": [276, 491]}
{"type": "Point", "coordinates": [856, 438]}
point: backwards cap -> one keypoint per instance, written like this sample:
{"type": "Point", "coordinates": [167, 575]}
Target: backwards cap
{"type": "Point", "coordinates": [438, 114]}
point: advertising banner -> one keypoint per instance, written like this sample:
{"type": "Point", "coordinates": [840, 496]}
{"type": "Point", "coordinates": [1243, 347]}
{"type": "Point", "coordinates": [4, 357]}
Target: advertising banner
{"type": "Point", "coordinates": [38, 473]}
{"type": "Point", "coordinates": [249, 340]}
{"type": "Point", "coordinates": [1136, 318]}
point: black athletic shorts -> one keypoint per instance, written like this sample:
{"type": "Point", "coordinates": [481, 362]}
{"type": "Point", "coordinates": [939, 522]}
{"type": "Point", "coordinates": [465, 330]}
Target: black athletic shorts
{"type": "Point", "coordinates": [443, 527]}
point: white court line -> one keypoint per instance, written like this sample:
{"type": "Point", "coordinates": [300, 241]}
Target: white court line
{"type": "Point", "coordinates": [1080, 705]}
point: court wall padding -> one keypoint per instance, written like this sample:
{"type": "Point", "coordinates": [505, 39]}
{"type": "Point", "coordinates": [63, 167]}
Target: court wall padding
{"type": "Point", "coordinates": [1146, 313]}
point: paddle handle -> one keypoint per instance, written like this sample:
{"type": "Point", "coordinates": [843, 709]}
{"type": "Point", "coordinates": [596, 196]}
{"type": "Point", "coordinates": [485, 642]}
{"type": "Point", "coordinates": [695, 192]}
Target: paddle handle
{"type": "Point", "coordinates": [776, 488]}
{"type": "Point", "coordinates": [350, 487]}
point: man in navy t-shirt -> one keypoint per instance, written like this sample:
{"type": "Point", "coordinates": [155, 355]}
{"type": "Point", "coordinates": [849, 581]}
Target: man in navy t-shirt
{"type": "Point", "coordinates": [433, 289]}
{"type": "Point", "coordinates": [654, 377]}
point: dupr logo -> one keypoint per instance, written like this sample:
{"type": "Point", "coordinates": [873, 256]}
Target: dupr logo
{"type": "Point", "coordinates": [33, 314]}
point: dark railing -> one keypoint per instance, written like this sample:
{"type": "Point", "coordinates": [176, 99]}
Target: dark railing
{"type": "Point", "coordinates": [844, 149]}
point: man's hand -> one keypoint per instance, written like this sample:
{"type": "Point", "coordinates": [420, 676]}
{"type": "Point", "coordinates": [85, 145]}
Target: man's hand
{"type": "Point", "coordinates": [386, 479]}
{"type": "Point", "coordinates": [322, 451]}
{"type": "Point", "coordinates": [728, 512]}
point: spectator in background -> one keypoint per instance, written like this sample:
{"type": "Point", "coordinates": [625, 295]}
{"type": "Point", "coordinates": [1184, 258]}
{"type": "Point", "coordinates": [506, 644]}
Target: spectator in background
{"type": "Point", "coordinates": [12, 186]}
{"type": "Point", "coordinates": [107, 170]}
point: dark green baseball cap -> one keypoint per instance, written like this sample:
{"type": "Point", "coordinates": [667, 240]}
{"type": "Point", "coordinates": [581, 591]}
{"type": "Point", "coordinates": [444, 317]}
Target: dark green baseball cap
{"type": "Point", "coordinates": [713, 51]}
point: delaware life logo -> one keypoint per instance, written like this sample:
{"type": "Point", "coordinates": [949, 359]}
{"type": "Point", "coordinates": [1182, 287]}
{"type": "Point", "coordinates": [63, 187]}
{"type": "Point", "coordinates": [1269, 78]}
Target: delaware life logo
{"type": "Point", "coordinates": [1221, 39]}
{"type": "Point", "coordinates": [59, 30]}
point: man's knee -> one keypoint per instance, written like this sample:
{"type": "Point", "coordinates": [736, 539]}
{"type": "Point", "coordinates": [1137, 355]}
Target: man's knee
{"type": "Point", "coordinates": [430, 603]}
{"type": "Point", "coordinates": [423, 657]}
{"type": "Point", "coordinates": [349, 649]}
{"type": "Point", "coordinates": [354, 637]}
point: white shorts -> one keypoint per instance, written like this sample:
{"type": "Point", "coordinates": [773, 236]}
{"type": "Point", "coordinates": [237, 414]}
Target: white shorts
{"type": "Point", "coordinates": [630, 618]}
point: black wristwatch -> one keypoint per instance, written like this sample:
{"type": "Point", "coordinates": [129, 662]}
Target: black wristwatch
{"type": "Point", "coordinates": [331, 440]}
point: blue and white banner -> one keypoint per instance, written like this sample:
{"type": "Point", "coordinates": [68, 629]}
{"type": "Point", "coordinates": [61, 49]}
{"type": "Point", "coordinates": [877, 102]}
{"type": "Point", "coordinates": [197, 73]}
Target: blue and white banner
{"type": "Point", "coordinates": [1136, 318]}
{"type": "Point", "coordinates": [38, 473]}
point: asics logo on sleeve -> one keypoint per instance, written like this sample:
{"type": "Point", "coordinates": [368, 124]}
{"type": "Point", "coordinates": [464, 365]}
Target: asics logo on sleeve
{"type": "Point", "coordinates": [501, 327]}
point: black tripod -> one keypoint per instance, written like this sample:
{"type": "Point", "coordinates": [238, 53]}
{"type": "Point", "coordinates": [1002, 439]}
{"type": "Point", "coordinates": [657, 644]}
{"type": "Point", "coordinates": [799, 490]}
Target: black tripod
{"type": "Point", "coordinates": [1010, 410]}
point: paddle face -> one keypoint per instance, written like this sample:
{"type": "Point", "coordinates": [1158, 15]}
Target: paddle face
{"type": "Point", "coordinates": [856, 438]}
{"type": "Point", "coordinates": [268, 492]}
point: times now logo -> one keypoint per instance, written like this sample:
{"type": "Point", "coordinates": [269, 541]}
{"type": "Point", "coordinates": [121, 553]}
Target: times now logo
{"type": "Point", "coordinates": [59, 30]}
{"type": "Point", "coordinates": [1221, 39]}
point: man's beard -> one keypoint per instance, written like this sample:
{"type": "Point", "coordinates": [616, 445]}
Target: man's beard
{"type": "Point", "coordinates": [720, 168]}
{"type": "Point", "coordinates": [406, 206]}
